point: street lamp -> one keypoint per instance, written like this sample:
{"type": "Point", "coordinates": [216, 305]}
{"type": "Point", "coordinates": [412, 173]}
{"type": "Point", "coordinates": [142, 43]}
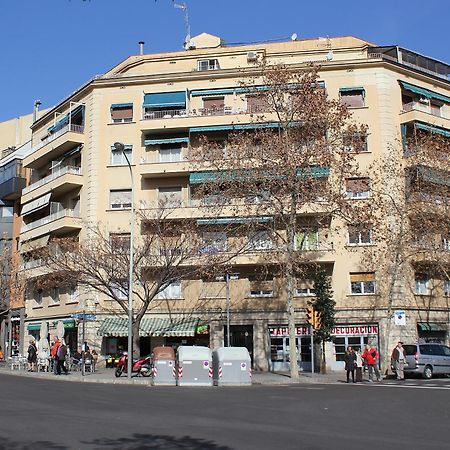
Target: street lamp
{"type": "Point", "coordinates": [119, 146]}
{"type": "Point", "coordinates": [228, 277]}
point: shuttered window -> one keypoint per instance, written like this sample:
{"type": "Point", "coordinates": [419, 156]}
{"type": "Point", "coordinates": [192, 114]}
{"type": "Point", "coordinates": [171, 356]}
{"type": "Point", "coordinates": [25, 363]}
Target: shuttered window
{"type": "Point", "coordinates": [119, 157]}
{"type": "Point", "coordinates": [353, 98]}
{"type": "Point", "coordinates": [357, 187]}
{"type": "Point", "coordinates": [169, 197]}
{"type": "Point", "coordinates": [120, 199]}
{"type": "Point", "coordinates": [121, 113]}
{"type": "Point", "coordinates": [362, 283]}
{"type": "Point", "coordinates": [257, 103]}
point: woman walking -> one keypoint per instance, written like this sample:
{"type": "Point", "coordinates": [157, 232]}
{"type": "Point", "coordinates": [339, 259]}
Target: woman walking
{"type": "Point", "coordinates": [350, 363]}
{"type": "Point", "coordinates": [32, 357]}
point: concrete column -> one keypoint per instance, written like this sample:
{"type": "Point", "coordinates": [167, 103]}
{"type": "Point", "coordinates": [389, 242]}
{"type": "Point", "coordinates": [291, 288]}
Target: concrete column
{"type": "Point", "coordinates": [261, 346]}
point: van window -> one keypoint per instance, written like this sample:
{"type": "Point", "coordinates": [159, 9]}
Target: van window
{"type": "Point", "coordinates": [410, 349]}
{"type": "Point", "coordinates": [446, 350]}
{"type": "Point", "coordinates": [429, 350]}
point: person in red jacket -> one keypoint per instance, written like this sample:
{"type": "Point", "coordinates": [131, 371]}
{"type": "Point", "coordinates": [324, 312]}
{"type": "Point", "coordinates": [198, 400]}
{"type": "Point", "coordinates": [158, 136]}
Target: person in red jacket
{"type": "Point", "coordinates": [54, 353]}
{"type": "Point", "coordinates": [371, 357]}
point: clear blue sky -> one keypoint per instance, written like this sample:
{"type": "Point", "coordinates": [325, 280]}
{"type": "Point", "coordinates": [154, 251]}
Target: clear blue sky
{"type": "Point", "coordinates": [51, 47]}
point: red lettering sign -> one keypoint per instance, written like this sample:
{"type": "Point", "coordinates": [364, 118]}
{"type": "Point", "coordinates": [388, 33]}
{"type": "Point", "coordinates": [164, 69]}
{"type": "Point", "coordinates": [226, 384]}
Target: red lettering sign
{"type": "Point", "coordinates": [356, 330]}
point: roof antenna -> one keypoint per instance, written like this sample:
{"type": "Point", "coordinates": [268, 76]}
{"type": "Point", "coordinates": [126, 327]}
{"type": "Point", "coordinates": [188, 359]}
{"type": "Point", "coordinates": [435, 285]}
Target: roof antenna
{"type": "Point", "coordinates": [187, 40]}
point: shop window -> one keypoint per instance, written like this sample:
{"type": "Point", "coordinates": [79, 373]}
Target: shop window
{"type": "Point", "coordinates": [422, 285]}
{"type": "Point", "coordinates": [359, 235]}
{"type": "Point", "coordinates": [355, 143]}
{"type": "Point", "coordinates": [169, 197]}
{"type": "Point", "coordinates": [362, 283]}
{"type": "Point", "coordinates": [260, 241]}
{"type": "Point", "coordinates": [120, 199]}
{"type": "Point", "coordinates": [120, 242]}
{"type": "Point", "coordinates": [119, 157]}
{"type": "Point", "coordinates": [122, 112]}
{"type": "Point", "coordinates": [173, 291]}
{"type": "Point", "coordinates": [357, 188]}
{"type": "Point", "coordinates": [352, 97]}
{"type": "Point", "coordinates": [207, 64]}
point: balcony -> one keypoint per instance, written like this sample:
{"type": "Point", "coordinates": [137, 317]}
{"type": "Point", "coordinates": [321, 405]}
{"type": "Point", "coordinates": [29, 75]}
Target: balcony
{"type": "Point", "coordinates": [422, 112]}
{"type": "Point", "coordinates": [11, 189]}
{"type": "Point", "coordinates": [62, 221]}
{"type": "Point", "coordinates": [59, 181]}
{"type": "Point", "coordinates": [55, 145]}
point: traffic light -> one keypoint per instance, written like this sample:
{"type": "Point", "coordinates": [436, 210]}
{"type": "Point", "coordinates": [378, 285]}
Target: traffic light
{"type": "Point", "coordinates": [317, 322]}
{"type": "Point", "coordinates": [310, 315]}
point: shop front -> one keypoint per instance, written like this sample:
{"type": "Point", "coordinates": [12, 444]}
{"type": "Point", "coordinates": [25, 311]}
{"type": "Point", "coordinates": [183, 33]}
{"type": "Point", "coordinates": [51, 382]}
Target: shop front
{"type": "Point", "coordinates": [432, 332]}
{"type": "Point", "coordinates": [279, 347]}
{"type": "Point", "coordinates": [70, 331]}
{"type": "Point", "coordinates": [356, 336]}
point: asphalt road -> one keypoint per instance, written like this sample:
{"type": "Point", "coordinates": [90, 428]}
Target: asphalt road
{"type": "Point", "coordinates": [51, 414]}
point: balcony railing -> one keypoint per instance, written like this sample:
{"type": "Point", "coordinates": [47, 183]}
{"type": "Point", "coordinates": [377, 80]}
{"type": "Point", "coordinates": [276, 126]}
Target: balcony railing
{"type": "Point", "coordinates": [417, 106]}
{"type": "Point", "coordinates": [32, 264]}
{"type": "Point", "coordinates": [68, 212]}
{"type": "Point", "coordinates": [55, 174]}
{"type": "Point", "coordinates": [164, 114]}
{"type": "Point", "coordinates": [69, 127]}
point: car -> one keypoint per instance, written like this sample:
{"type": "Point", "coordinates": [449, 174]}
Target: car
{"type": "Point", "coordinates": [427, 359]}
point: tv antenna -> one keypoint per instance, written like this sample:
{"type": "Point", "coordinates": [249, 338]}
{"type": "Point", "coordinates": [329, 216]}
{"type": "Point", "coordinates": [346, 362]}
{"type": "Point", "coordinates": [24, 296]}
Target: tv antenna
{"type": "Point", "coordinates": [184, 8]}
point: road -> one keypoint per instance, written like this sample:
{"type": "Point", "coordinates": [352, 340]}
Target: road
{"type": "Point", "coordinates": [51, 414]}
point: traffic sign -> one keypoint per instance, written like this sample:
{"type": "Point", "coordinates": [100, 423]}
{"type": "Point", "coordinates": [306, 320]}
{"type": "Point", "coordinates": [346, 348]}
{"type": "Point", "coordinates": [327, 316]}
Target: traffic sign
{"type": "Point", "coordinates": [84, 316]}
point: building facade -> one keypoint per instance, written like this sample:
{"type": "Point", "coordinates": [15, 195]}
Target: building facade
{"type": "Point", "coordinates": [157, 105]}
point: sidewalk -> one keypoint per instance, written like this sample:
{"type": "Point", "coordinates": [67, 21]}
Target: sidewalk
{"type": "Point", "coordinates": [103, 375]}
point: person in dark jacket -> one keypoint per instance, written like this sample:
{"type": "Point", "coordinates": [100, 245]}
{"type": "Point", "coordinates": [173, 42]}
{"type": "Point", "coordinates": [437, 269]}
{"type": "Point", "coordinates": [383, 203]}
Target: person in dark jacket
{"type": "Point", "coordinates": [350, 363]}
{"type": "Point", "coordinates": [61, 358]}
{"type": "Point", "coordinates": [32, 356]}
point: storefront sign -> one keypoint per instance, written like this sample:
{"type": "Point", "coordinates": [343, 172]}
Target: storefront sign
{"type": "Point", "coordinates": [284, 331]}
{"type": "Point", "coordinates": [355, 330]}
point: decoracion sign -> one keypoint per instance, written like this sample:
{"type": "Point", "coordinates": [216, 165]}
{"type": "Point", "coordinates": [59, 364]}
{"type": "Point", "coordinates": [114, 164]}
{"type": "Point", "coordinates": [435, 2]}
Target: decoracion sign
{"type": "Point", "coordinates": [284, 331]}
{"type": "Point", "coordinates": [354, 330]}
{"type": "Point", "coordinates": [400, 317]}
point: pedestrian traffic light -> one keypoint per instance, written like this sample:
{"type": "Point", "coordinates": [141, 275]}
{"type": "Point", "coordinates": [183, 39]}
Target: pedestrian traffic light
{"type": "Point", "coordinates": [310, 315]}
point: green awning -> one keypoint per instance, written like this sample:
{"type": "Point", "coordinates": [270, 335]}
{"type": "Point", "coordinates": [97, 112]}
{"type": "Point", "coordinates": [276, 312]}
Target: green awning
{"type": "Point", "coordinates": [233, 220]}
{"type": "Point", "coordinates": [314, 172]}
{"type": "Point", "coordinates": [237, 127]}
{"type": "Point", "coordinates": [431, 129]}
{"type": "Point", "coordinates": [434, 176]}
{"type": "Point", "coordinates": [174, 140]}
{"type": "Point", "coordinates": [424, 92]}
{"type": "Point", "coordinates": [33, 326]}
{"type": "Point", "coordinates": [165, 100]}
{"type": "Point", "coordinates": [209, 92]}
{"type": "Point", "coordinates": [122, 105]}
{"type": "Point", "coordinates": [426, 326]}
{"type": "Point", "coordinates": [68, 323]}
{"type": "Point", "coordinates": [349, 89]}
{"type": "Point", "coordinates": [150, 326]}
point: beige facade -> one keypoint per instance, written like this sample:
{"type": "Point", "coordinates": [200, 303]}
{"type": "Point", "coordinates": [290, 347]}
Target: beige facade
{"type": "Point", "coordinates": [149, 100]}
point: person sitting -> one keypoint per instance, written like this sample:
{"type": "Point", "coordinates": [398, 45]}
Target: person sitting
{"type": "Point", "coordinates": [76, 358]}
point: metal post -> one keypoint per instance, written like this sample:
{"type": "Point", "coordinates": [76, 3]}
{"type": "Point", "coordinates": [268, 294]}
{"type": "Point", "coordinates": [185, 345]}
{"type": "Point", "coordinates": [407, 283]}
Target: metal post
{"type": "Point", "coordinates": [312, 350]}
{"type": "Point", "coordinates": [83, 338]}
{"type": "Point", "coordinates": [121, 147]}
{"type": "Point", "coordinates": [227, 279]}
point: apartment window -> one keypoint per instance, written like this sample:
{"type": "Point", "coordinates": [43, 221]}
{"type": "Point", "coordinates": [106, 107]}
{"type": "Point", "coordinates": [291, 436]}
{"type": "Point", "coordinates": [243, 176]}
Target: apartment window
{"type": "Point", "coordinates": [72, 294]}
{"type": "Point", "coordinates": [422, 285]}
{"type": "Point", "coordinates": [6, 211]}
{"type": "Point", "coordinates": [362, 283]}
{"type": "Point", "coordinates": [307, 239]}
{"type": "Point", "coordinates": [120, 199]}
{"type": "Point", "coordinates": [170, 154]}
{"type": "Point", "coordinates": [207, 64]}
{"type": "Point", "coordinates": [260, 241]}
{"type": "Point", "coordinates": [257, 103]}
{"type": "Point", "coordinates": [169, 197]}
{"type": "Point", "coordinates": [357, 187]}
{"type": "Point", "coordinates": [352, 97]}
{"type": "Point", "coordinates": [119, 292]}
{"type": "Point", "coordinates": [213, 105]}
{"type": "Point", "coordinates": [120, 242]}
{"type": "Point", "coordinates": [119, 157]}
{"type": "Point", "coordinates": [446, 243]}
{"type": "Point", "coordinates": [261, 286]}
{"type": "Point", "coordinates": [305, 288]}
{"type": "Point", "coordinates": [258, 197]}
{"type": "Point", "coordinates": [37, 295]}
{"type": "Point", "coordinates": [447, 288]}
{"type": "Point", "coordinates": [214, 242]}
{"type": "Point", "coordinates": [214, 199]}
{"type": "Point", "coordinates": [122, 112]}
{"type": "Point", "coordinates": [359, 235]}
{"type": "Point", "coordinates": [172, 291]}
{"type": "Point", "coordinates": [355, 143]}
{"type": "Point", "coordinates": [54, 295]}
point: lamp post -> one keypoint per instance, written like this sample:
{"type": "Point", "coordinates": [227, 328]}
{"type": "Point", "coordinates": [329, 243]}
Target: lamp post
{"type": "Point", "coordinates": [119, 146]}
{"type": "Point", "coordinates": [228, 276]}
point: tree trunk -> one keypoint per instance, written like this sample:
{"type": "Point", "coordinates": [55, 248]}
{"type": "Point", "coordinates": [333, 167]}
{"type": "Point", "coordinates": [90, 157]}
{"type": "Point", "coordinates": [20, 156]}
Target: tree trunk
{"type": "Point", "coordinates": [323, 360]}
{"type": "Point", "coordinates": [136, 338]}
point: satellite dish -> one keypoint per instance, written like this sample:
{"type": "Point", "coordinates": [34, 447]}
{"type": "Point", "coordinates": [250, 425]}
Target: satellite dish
{"type": "Point", "coordinates": [294, 37]}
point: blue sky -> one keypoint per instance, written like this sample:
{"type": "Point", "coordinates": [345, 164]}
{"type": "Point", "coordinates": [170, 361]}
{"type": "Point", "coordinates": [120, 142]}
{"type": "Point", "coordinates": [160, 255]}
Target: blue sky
{"type": "Point", "coordinates": [51, 47]}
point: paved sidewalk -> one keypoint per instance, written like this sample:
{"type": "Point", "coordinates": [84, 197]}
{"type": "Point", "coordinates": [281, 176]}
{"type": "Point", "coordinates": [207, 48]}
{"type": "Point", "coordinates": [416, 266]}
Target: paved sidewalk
{"type": "Point", "coordinates": [103, 375]}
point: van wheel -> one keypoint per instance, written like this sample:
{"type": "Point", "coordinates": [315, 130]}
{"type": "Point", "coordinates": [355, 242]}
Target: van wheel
{"type": "Point", "coordinates": [428, 372]}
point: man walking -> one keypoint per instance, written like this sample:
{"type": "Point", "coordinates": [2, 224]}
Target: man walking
{"type": "Point", "coordinates": [398, 360]}
{"type": "Point", "coordinates": [371, 356]}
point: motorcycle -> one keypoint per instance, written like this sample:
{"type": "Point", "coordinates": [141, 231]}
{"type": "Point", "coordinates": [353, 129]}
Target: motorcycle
{"type": "Point", "coordinates": [142, 366]}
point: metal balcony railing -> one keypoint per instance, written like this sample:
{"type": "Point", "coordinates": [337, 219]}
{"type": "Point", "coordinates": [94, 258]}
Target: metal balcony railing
{"type": "Point", "coordinates": [68, 212]}
{"type": "Point", "coordinates": [55, 174]}
{"type": "Point", "coordinates": [57, 134]}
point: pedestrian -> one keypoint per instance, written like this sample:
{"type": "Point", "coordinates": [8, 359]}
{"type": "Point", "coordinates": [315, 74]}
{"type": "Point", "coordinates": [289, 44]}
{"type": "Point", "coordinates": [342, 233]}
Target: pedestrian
{"type": "Point", "coordinates": [371, 357]}
{"type": "Point", "coordinates": [359, 366]}
{"type": "Point", "coordinates": [350, 363]}
{"type": "Point", "coordinates": [61, 358]}
{"type": "Point", "coordinates": [398, 360]}
{"type": "Point", "coordinates": [32, 356]}
{"type": "Point", "coordinates": [54, 354]}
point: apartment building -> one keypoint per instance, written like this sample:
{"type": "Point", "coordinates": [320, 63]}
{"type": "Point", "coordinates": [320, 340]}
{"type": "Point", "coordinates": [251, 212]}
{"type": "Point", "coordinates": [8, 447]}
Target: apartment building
{"type": "Point", "coordinates": [157, 105]}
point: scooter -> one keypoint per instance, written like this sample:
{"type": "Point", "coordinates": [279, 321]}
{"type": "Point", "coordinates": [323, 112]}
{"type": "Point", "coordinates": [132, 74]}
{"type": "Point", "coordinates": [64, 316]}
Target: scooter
{"type": "Point", "coordinates": [142, 366]}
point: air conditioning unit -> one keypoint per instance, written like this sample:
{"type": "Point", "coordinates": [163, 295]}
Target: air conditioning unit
{"type": "Point", "coordinates": [252, 56]}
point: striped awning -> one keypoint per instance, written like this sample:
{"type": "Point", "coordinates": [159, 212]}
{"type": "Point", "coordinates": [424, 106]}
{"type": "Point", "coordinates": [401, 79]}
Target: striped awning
{"type": "Point", "coordinates": [150, 326]}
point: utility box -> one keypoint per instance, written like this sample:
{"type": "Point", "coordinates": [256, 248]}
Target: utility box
{"type": "Point", "coordinates": [194, 366]}
{"type": "Point", "coordinates": [163, 367]}
{"type": "Point", "coordinates": [231, 366]}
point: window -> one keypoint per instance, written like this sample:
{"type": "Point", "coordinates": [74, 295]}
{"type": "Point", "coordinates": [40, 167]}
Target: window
{"type": "Point", "coordinates": [119, 157]}
{"type": "Point", "coordinates": [119, 292]}
{"type": "Point", "coordinates": [213, 106]}
{"type": "Point", "coordinates": [120, 199]}
{"type": "Point", "coordinates": [214, 242]}
{"type": "Point", "coordinates": [54, 295]}
{"type": "Point", "coordinates": [169, 197]}
{"type": "Point", "coordinates": [357, 187]}
{"type": "Point", "coordinates": [37, 295]}
{"type": "Point", "coordinates": [6, 211]}
{"type": "Point", "coordinates": [359, 235]}
{"type": "Point", "coordinates": [122, 112]}
{"type": "Point", "coordinates": [208, 64]}
{"type": "Point", "coordinates": [422, 283]}
{"type": "Point", "coordinates": [305, 288]}
{"type": "Point", "coordinates": [257, 103]}
{"type": "Point", "coordinates": [260, 241]}
{"type": "Point", "coordinates": [362, 283]}
{"type": "Point", "coordinates": [120, 242]}
{"type": "Point", "coordinates": [168, 154]}
{"type": "Point", "coordinates": [446, 243]}
{"type": "Point", "coordinates": [171, 291]}
{"type": "Point", "coordinates": [261, 286]}
{"type": "Point", "coordinates": [258, 197]}
{"type": "Point", "coordinates": [307, 239]}
{"type": "Point", "coordinates": [72, 294]}
{"type": "Point", "coordinates": [352, 97]}
{"type": "Point", "coordinates": [214, 199]}
{"type": "Point", "coordinates": [447, 288]}
{"type": "Point", "coordinates": [355, 143]}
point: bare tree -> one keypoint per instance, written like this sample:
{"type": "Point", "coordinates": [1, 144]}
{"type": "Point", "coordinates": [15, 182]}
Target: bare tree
{"type": "Point", "coordinates": [287, 171]}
